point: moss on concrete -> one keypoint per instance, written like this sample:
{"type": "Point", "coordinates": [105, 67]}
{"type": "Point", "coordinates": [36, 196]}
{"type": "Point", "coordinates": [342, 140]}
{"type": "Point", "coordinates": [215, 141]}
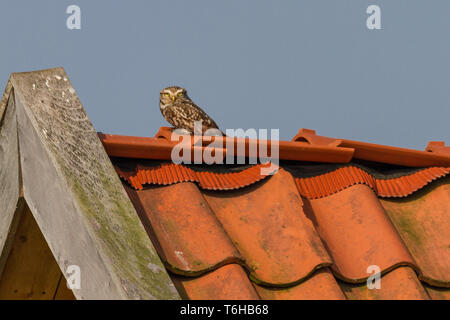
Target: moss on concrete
{"type": "Point", "coordinates": [134, 257]}
{"type": "Point", "coordinates": [64, 128]}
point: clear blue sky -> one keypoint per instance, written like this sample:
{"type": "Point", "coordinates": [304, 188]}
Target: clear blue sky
{"type": "Point", "coordinates": [249, 64]}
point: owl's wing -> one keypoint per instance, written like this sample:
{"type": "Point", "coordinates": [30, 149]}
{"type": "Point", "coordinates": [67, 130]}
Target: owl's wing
{"type": "Point", "coordinates": [184, 116]}
{"type": "Point", "coordinates": [196, 113]}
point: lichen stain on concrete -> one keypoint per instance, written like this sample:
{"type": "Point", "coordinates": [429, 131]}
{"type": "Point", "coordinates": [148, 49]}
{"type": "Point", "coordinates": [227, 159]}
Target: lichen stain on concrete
{"type": "Point", "coordinates": [73, 142]}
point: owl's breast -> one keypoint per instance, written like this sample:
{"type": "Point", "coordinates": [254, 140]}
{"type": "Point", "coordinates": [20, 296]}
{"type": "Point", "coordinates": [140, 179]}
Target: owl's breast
{"type": "Point", "coordinates": [168, 113]}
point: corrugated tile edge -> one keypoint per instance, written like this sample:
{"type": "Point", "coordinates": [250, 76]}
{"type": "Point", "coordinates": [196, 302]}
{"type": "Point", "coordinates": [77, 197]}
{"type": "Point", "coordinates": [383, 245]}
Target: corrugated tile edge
{"type": "Point", "coordinates": [170, 173]}
{"type": "Point", "coordinates": [332, 182]}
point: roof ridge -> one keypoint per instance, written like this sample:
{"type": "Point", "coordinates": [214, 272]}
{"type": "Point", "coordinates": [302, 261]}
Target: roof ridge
{"type": "Point", "coordinates": [310, 184]}
{"type": "Point", "coordinates": [157, 175]}
{"type": "Point", "coordinates": [402, 186]}
{"type": "Point", "coordinates": [331, 167]}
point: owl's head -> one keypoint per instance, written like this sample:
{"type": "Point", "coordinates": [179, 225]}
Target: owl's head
{"type": "Point", "coordinates": [170, 94]}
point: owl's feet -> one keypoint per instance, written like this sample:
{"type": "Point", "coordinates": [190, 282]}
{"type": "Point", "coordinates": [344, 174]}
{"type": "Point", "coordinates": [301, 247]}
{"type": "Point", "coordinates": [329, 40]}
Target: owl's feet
{"type": "Point", "coordinates": [180, 131]}
{"type": "Point", "coordinates": [166, 132]}
{"type": "Point", "coordinates": [214, 133]}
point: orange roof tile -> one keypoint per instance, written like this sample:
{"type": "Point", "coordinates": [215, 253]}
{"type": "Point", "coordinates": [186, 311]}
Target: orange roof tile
{"type": "Point", "coordinates": [423, 223]}
{"type": "Point", "coordinates": [161, 148]}
{"type": "Point", "coordinates": [229, 282]}
{"type": "Point", "coordinates": [342, 178]}
{"type": "Point", "coordinates": [310, 231]}
{"type": "Point", "coordinates": [319, 286]}
{"type": "Point", "coordinates": [437, 293]}
{"type": "Point", "coordinates": [170, 173]}
{"type": "Point", "coordinates": [279, 244]}
{"type": "Point", "coordinates": [438, 147]}
{"type": "Point", "coordinates": [399, 284]}
{"type": "Point", "coordinates": [363, 238]}
{"type": "Point", "coordinates": [190, 238]}
{"type": "Point", "coordinates": [379, 153]}
{"type": "Point", "coordinates": [318, 186]}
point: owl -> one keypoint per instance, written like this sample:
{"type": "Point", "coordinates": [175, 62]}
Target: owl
{"type": "Point", "coordinates": [181, 112]}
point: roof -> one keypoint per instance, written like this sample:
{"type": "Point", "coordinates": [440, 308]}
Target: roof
{"type": "Point", "coordinates": [312, 230]}
{"type": "Point", "coordinates": [141, 227]}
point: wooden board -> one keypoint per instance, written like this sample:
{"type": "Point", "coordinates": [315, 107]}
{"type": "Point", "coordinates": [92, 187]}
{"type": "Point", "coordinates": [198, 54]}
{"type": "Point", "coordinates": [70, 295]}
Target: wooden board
{"type": "Point", "coordinates": [63, 292]}
{"type": "Point", "coordinates": [75, 195]}
{"type": "Point", "coordinates": [31, 272]}
{"type": "Point", "coordinates": [10, 184]}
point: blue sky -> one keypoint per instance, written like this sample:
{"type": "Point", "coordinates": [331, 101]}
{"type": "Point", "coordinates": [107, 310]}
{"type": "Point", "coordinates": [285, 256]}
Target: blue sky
{"type": "Point", "coordinates": [249, 64]}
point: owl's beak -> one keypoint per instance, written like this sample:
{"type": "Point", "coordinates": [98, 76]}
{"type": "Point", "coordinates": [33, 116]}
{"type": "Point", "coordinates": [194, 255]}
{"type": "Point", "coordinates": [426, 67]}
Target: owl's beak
{"type": "Point", "coordinates": [173, 98]}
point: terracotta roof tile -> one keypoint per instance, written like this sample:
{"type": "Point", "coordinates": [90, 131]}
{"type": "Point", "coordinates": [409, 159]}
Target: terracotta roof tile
{"type": "Point", "coordinates": [399, 284]}
{"type": "Point", "coordinates": [438, 147]}
{"type": "Point", "coordinates": [320, 286]}
{"type": "Point", "coordinates": [423, 222]}
{"type": "Point", "coordinates": [267, 224]}
{"type": "Point", "coordinates": [161, 147]}
{"type": "Point", "coordinates": [229, 282]}
{"type": "Point", "coordinates": [381, 153]}
{"type": "Point", "coordinates": [170, 173]}
{"type": "Point", "coordinates": [437, 293]}
{"type": "Point", "coordinates": [342, 178]}
{"type": "Point", "coordinates": [287, 243]}
{"type": "Point", "coordinates": [357, 232]}
{"type": "Point", "coordinates": [190, 238]}
{"type": "Point", "coordinates": [314, 187]}
{"type": "Point", "coordinates": [310, 231]}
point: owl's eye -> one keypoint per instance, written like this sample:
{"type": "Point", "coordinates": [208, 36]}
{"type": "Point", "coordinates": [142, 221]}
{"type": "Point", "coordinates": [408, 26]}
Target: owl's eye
{"type": "Point", "coordinates": [166, 94]}
{"type": "Point", "coordinates": [180, 94]}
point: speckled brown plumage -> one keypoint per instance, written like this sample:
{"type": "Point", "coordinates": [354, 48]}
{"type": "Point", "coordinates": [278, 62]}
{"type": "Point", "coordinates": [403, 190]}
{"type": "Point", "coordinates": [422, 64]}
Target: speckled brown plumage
{"type": "Point", "coordinates": [181, 112]}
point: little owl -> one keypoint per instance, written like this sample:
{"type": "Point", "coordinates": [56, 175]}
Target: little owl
{"type": "Point", "coordinates": [181, 112]}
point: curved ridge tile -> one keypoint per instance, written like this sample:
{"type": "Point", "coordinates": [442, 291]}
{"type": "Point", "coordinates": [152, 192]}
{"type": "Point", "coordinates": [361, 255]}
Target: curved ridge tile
{"type": "Point", "coordinates": [320, 286]}
{"type": "Point", "coordinates": [329, 183]}
{"type": "Point", "coordinates": [188, 237]}
{"type": "Point", "coordinates": [267, 225]}
{"type": "Point", "coordinates": [229, 282]}
{"type": "Point", "coordinates": [171, 173]}
{"type": "Point", "coordinates": [399, 284]}
{"type": "Point", "coordinates": [437, 293]}
{"type": "Point", "coordinates": [423, 222]}
{"type": "Point", "coordinates": [357, 232]}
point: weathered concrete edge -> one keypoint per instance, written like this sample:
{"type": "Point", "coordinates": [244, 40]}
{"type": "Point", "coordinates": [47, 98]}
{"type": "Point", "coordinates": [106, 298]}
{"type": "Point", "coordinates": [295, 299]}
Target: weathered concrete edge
{"type": "Point", "coordinates": [4, 100]}
{"type": "Point", "coordinates": [117, 266]}
{"type": "Point", "coordinates": [9, 175]}
{"type": "Point", "coordinates": [59, 218]}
